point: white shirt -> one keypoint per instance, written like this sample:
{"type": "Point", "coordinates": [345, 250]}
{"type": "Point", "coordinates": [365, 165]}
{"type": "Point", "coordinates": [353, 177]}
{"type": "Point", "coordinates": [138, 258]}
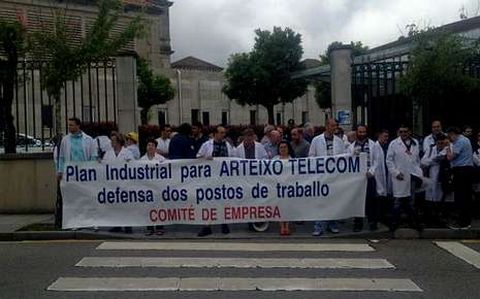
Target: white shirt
{"type": "Point", "coordinates": [123, 155]}
{"type": "Point", "coordinates": [157, 157]}
{"type": "Point", "coordinates": [163, 145]}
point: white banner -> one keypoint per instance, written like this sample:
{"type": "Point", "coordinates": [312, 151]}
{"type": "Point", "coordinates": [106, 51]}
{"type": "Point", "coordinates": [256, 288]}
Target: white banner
{"type": "Point", "coordinates": [223, 190]}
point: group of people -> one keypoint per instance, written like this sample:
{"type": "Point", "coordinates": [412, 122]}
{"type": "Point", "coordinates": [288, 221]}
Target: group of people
{"type": "Point", "coordinates": [440, 168]}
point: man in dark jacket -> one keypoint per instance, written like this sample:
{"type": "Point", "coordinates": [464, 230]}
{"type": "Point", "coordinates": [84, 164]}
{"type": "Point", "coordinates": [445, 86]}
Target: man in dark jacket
{"type": "Point", "coordinates": [181, 146]}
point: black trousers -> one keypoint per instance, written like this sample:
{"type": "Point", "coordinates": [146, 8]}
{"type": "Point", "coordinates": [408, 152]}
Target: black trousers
{"type": "Point", "coordinates": [462, 191]}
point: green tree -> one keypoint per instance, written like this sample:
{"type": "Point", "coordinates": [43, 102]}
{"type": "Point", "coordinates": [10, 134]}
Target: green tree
{"type": "Point", "coordinates": [152, 89]}
{"type": "Point", "coordinates": [263, 76]}
{"type": "Point", "coordinates": [12, 43]}
{"type": "Point", "coordinates": [68, 60]}
{"type": "Point", "coordinates": [323, 89]}
{"type": "Point", "coordinates": [438, 72]}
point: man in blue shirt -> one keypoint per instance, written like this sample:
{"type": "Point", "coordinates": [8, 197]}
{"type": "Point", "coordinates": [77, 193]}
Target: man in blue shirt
{"type": "Point", "coordinates": [461, 160]}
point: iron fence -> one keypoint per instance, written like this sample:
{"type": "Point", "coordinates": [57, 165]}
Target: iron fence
{"type": "Point", "coordinates": [92, 98]}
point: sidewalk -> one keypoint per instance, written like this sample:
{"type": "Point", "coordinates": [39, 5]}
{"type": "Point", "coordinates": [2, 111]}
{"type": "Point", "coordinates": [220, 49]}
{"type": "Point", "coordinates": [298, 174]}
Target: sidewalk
{"type": "Point", "coordinates": [10, 225]}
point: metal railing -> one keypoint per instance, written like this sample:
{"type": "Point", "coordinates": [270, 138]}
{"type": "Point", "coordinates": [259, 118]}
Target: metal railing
{"type": "Point", "coordinates": [92, 98]}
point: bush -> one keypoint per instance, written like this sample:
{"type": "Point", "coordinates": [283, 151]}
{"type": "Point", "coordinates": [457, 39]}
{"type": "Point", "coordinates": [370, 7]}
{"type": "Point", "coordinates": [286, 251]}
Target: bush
{"type": "Point", "coordinates": [99, 128]}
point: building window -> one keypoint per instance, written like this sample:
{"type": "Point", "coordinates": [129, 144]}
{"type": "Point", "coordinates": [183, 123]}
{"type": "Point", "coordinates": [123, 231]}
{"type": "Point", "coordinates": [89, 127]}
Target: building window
{"type": "Point", "coordinates": [47, 116]}
{"type": "Point", "coordinates": [89, 113]}
{"type": "Point", "coordinates": [279, 118]}
{"type": "Point", "coordinates": [253, 117]}
{"type": "Point", "coordinates": [206, 118]}
{"type": "Point", "coordinates": [162, 117]}
{"type": "Point", "coordinates": [305, 117]}
{"type": "Point", "coordinates": [224, 118]}
{"type": "Point", "coordinates": [195, 115]}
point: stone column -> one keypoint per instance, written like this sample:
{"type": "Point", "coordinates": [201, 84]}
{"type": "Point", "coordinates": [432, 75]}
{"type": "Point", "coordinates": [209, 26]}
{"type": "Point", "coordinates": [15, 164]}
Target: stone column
{"type": "Point", "coordinates": [341, 78]}
{"type": "Point", "coordinates": [128, 113]}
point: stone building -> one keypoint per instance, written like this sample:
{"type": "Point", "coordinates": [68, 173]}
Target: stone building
{"type": "Point", "coordinates": [200, 98]}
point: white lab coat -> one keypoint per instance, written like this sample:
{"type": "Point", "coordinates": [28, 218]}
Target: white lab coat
{"type": "Point", "coordinates": [260, 152]}
{"type": "Point", "coordinates": [476, 158]}
{"type": "Point", "coordinates": [434, 192]}
{"type": "Point", "coordinates": [103, 143]}
{"type": "Point", "coordinates": [318, 147]}
{"type": "Point", "coordinates": [124, 155]}
{"type": "Point", "coordinates": [377, 165]}
{"type": "Point", "coordinates": [206, 150]}
{"type": "Point", "coordinates": [157, 157]}
{"type": "Point", "coordinates": [89, 149]}
{"type": "Point", "coordinates": [476, 163]}
{"type": "Point", "coordinates": [399, 161]}
{"type": "Point", "coordinates": [428, 143]}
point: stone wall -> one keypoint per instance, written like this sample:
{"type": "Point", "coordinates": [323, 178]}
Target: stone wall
{"type": "Point", "coordinates": [27, 183]}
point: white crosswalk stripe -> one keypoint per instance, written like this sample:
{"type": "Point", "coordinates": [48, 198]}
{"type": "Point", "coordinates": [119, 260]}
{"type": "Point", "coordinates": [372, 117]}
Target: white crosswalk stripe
{"type": "Point", "coordinates": [202, 246]}
{"type": "Point", "coordinates": [206, 283]}
{"type": "Point", "coordinates": [462, 252]}
{"type": "Point", "coordinates": [174, 262]}
{"type": "Point", "coordinates": [232, 284]}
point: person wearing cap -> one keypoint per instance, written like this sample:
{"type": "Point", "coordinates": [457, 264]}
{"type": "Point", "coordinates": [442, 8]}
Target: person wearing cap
{"type": "Point", "coordinates": [132, 145]}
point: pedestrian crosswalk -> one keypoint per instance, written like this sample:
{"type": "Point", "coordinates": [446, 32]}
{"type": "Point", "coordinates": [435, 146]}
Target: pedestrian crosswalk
{"type": "Point", "coordinates": [461, 251]}
{"type": "Point", "coordinates": [205, 257]}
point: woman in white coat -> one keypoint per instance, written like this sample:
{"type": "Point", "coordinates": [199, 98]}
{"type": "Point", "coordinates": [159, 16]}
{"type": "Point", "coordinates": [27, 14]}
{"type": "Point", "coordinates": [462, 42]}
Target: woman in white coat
{"type": "Point", "coordinates": [118, 152]}
{"type": "Point", "coordinates": [403, 163]}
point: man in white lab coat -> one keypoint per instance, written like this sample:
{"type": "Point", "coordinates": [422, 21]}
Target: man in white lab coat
{"type": "Point", "coordinates": [216, 147]}
{"type": "Point", "coordinates": [249, 148]}
{"type": "Point", "coordinates": [430, 141]}
{"type": "Point", "coordinates": [375, 161]}
{"type": "Point", "coordinates": [403, 163]}
{"type": "Point", "coordinates": [326, 144]}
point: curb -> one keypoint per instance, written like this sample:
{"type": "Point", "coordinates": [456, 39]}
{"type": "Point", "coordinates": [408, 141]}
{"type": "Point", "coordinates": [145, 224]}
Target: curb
{"type": "Point", "coordinates": [400, 234]}
{"type": "Point", "coordinates": [436, 233]}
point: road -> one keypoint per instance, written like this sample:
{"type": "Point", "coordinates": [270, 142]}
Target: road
{"type": "Point", "coordinates": [281, 268]}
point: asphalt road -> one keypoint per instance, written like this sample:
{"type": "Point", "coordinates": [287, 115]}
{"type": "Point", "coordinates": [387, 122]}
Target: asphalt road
{"type": "Point", "coordinates": [28, 269]}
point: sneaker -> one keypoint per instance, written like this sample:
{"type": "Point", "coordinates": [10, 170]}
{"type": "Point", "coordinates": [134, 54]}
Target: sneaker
{"type": "Point", "coordinates": [205, 231]}
{"type": "Point", "coordinates": [317, 231]}
{"type": "Point", "coordinates": [373, 227]}
{"type": "Point", "coordinates": [332, 227]}
{"type": "Point", "coordinates": [225, 229]}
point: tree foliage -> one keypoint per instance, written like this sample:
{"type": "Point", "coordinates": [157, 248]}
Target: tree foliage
{"type": "Point", "coordinates": [68, 60]}
{"type": "Point", "coordinates": [12, 44]}
{"type": "Point", "coordinates": [152, 89]}
{"type": "Point", "coordinates": [263, 76]}
{"type": "Point", "coordinates": [438, 70]}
